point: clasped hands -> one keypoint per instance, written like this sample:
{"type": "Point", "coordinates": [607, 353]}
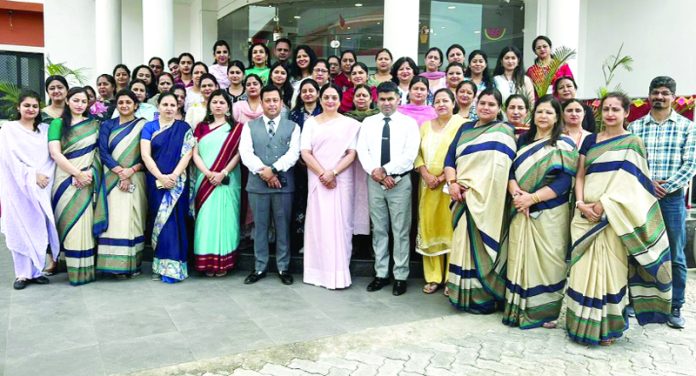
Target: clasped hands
{"type": "Point", "coordinates": [328, 179]}
{"type": "Point", "coordinates": [168, 181]}
{"type": "Point", "coordinates": [124, 175]}
{"type": "Point", "coordinates": [83, 179]}
{"type": "Point", "coordinates": [592, 212]}
{"type": "Point", "coordinates": [522, 200]}
{"type": "Point", "coordinates": [380, 176]}
{"type": "Point", "coordinates": [215, 178]}
{"type": "Point", "coordinates": [431, 180]}
{"type": "Point", "coordinates": [42, 180]}
{"type": "Point", "coordinates": [266, 174]}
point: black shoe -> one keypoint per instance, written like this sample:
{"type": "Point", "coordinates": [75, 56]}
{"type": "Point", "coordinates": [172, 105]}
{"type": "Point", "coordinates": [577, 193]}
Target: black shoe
{"type": "Point", "coordinates": [285, 277]}
{"type": "Point", "coordinates": [676, 321]}
{"type": "Point", "coordinates": [20, 284]}
{"type": "Point", "coordinates": [41, 280]}
{"type": "Point", "coordinates": [377, 284]}
{"type": "Point", "coordinates": [399, 287]}
{"type": "Point", "coordinates": [254, 277]}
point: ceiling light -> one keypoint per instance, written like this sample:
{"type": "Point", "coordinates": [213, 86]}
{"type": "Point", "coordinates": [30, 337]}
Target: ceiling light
{"type": "Point", "coordinates": [349, 38]}
{"type": "Point", "coordinates": [358, 4]}
{"type": "Point", "coordinates": [297, 17]}
{"type": "Point", "coordinates": [451, 7]}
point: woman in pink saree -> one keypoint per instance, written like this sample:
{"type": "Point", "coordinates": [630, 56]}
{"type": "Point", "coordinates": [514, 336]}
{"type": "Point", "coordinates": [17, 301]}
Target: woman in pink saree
{"type": "Point", "coordinates": [328, 147]}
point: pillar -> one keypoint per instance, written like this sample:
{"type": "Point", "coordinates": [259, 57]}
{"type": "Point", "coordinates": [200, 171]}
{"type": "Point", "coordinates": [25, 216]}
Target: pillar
{"type": "Point", "coordinates": [108, 35]}
{"type": "Point", "coordinates": [401, 27]}
{"type": "Point", "coordinates": [563, 26]}
{"type": "Point", "coordinates": [158, 29]}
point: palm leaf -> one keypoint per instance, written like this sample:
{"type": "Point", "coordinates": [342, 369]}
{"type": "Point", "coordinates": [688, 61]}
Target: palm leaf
{"type": "Point", "coordinates": [559, 57]}
{"type": "Point", "coordinates": [9, 96]}
{"type": "Point", "coordinates": [61, 69]}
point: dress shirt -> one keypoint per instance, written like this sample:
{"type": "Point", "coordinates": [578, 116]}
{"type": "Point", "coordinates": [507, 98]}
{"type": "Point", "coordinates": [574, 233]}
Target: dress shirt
{"type": "Point", "coordinates": [404, 141]}
{"type": "Point", "coordinates": [671, 148]}
{"type": "Point", "coordinates": [254, 163]}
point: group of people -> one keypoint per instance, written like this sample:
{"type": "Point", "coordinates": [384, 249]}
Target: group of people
{"type": "Point", "coordinates": [517, 206]}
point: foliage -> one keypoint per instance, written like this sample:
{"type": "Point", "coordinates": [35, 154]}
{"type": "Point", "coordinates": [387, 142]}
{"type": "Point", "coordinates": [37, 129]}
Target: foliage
{"type": "Point", "coordinates": [61, 69]}
{"type": "Point", "coordinates": [609, 68]}
{"type": "Point", "coordinates": [559, 57]}
{"type": "Point", "coordinates": [9, 95]}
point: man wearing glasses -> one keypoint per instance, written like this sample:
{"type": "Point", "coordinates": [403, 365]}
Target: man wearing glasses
{"type": "Point", "coordinates": [670, 141]}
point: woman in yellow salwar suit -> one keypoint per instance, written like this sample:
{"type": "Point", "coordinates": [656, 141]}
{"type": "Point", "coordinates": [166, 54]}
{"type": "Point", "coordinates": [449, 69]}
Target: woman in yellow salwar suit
{"type": "Point", "coordinates": [619, 243]}
{"type": "Point", "coordinates": [434, 218]}
{"type": "Point", "coordinates": [477, 168]}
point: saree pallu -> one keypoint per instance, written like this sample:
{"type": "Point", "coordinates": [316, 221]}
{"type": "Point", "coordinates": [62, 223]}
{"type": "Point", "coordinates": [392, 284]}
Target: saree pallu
{"type": "Point", "coordinates": [537, 245]}
{"type": "Point", "coordinates": [216, 234]}
{"type": "Point", "coordinates": [168, 208]}
{"type": "Point", "coordinates": [434, 236]}
{"type": "Point", "coordinates": [121, 244]}
{"type": "Point", "coordinates": [330, 212]}
{"type": "Point", "coordinates": [75, 209]}
{"type": "Point", "coordinates": [627, 250]}
{"type": "Point", "coordinates": [483, 158]}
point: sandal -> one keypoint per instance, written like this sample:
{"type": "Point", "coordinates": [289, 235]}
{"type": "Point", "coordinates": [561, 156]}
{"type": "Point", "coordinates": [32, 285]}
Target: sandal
{"type": "Point", "coordinates": [446, 293]}
{"type": "Point", "coordinates": [221, 274]}
{"type": "Point", "coordinates": [549, 325]}
{"type": "Point", "coordinates": [209, 274]}
{"type": "Point", "coordinates": [431, 287]}
{"type": "Point", "coordinates": [607, 342]}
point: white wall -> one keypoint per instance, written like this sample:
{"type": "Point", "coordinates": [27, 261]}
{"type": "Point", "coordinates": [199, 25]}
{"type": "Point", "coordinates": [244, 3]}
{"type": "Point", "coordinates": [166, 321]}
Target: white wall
{"type": "Point", "coordinates": [132, 33]}
{"type": "Point", "coordinates": [182, 29]}
{"type": "Point", "coordinates": [69, 35]}
{"type": "Point", "coordinates": [658, 34]}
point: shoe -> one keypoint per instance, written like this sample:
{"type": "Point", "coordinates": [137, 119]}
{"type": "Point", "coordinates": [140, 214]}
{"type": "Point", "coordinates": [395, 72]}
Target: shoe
{"type": "Point", "coordinates": [254, 277]}
{"type": "Point", "coordinates": [431, 287]}
{"type": "Point", "coordinates": [20, 284]}
{"type": "Point", "coordinates": [675, 320]}
{"type": "Point", "coordinates": [399, 288]}
{"type": "Point", "coordinates": [286, 278]}
{"type": "Point", "coordinates": [40, 280]}
{"type": "Point", "coordinates": [630, 312]}
{"type": "Point", "coordinates": [377, 284]}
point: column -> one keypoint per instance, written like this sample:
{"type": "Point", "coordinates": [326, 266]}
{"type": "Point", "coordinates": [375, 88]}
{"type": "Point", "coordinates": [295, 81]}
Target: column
{"type": "Point", "coordinates": [401, 27]}
{"type": "Point", "coordinates": [203, 28]}
{"type": "Point", "coordinates": [108, 35]}
{"type": "Point", "coordinates": [563, 26]}
{"type": "Point", "coordinates": [158, 29]}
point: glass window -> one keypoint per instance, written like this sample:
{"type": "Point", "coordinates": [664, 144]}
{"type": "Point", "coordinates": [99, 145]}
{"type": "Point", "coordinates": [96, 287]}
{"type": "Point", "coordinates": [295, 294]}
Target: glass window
{"type": "Point", "coordinates": [314, 23]}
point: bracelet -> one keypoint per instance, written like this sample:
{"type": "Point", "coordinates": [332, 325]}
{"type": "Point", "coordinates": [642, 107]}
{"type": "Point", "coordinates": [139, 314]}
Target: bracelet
{"type": "Point", "coordinates": [335, 172]}
{"type": "Point", "coordinates": [579, 202]}
{"type": "Point", "coordinates": [224, 172]}
{"type": "Point", "coordinates": [535, 198]}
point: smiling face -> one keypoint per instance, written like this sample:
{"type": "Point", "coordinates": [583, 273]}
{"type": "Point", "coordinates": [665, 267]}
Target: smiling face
{"type": "Point", "coordinates": [477, 64]}
{"type": "Point", "coordinates": [174, 69]}
{"type": "Point", "coordinates": [308, 94]}
{"type": "Point", "coordinates": [455, 75]}
{"type": "Point", "coordinates": [542, 49]}
{"type": "Point", "coordinates": [125, 106]}
{"type": "Point", "coordinates": [167, 108]}
{"type": "Point", "coordinates": [358, 75]}
{"type": "Point", "coordinates": [279, 76]}
{"type": "Point", "coordinates": [222, 55]}
{"type": "Point", "coordinates": [573, 114]}
{"type": "Point", "coordinates": [207, 87]}
{"type": "Point", "coordinates": [565, 89]}
{"type": "Point", "coordinates": [465, 96]}
{"type": "Point", "coordinates": [443, 104]}
{"type": "Point", "coordinates": [330, 100]}
{"type": "Point", "coordinates": [302, 59]}
{"type": "Point", "coordinates": [456, 56]}
{"type": "Point", "coordinates": [78, 104]}
{"type": "Point", "coordinates": [516, 111]}
{"type": "Point", "coordinates": [613, 114]}
{"type": "Point", "coordinates": [545, 118]}
{"type": "Point", "coordinates": [235, 75]}
{"type": "Point", "coordinates": [405, 73]}
{"type": "Point", "coordinates": [487, 108]}
{"type": "Point", "coordinates": [510, 61]}
{"type": "Point", "coordinates": [362, 99]}
{"type": "Point", "coordinates": [122, 77]}
{"type": "Point", "coordinates": [28, 109]}
{"type": "Point", "coordinates": [661, 98]}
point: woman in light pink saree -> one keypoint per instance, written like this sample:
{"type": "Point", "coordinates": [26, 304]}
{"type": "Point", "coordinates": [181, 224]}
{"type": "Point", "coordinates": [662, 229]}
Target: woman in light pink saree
{"type": "Point", "coordinates": [328, 147]}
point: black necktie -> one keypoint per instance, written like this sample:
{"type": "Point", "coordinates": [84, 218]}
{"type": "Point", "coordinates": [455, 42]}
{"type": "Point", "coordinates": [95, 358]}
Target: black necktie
{"type": "Point", "coordinates": [271, 131]}
{"type": "Point", "coordinates": [385, 143]}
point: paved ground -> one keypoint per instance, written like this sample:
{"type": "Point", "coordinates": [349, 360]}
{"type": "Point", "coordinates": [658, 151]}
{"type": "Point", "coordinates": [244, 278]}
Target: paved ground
{"type": "Point", "coordinates": [221, 327]}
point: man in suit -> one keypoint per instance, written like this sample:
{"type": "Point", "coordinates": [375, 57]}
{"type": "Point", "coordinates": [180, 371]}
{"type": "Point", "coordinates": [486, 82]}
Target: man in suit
{"type": "Point", "coordinates": [270, 147]}
{"type": "Point", "coordinates": [387, 147]}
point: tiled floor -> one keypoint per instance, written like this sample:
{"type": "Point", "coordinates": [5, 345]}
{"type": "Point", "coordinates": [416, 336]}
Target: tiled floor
{"type": "Point", "coordinates": [110, 327]}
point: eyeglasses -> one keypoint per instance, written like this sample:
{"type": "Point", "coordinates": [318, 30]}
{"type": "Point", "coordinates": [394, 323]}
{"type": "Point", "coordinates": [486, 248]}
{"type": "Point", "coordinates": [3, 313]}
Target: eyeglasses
{"type": "Point", "coordinates": [664, 93]}
{"type": "Point", "coordinates": [320, 70]}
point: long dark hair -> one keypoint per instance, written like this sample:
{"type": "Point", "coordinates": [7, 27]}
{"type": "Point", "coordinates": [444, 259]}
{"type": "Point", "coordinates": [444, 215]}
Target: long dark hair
{"type": "Point", "coordinates": [66, 116]}
{"type": "Point", "coordinates": [124, 67]}
{"type": "Point", "coordinates": [299, 103]}
{"type": "Point", "coordinates": [152, 87]}
{"type": "Point", "coordinates": [128, 93]}
{"type": "Point", "coordinates": [534, 43]}
{"type": "Point", "coordinates": [30, 94]}
{"type": "Point", "coordinates": [111, 81]}
{"type": "Point", "coordinates": [265, 48]}
{"type": "Point", "coordinates": [294, 69]}
{"type": "Point", "coordinates": [137, 81]}
{"type": "Point", "coordinates": [451, 97]}
{"type": "Point", "coordinates": [58, 78]}
{"type": "Point", "coordinates": [209, 118]}
{"type": "Point", "coordinates": [286, 89]}
{"type": "Point", "coordinates": [398, 63]}
{"type": "Point", "coordinates": [518, 74]}
{"type": "Point", "coordinates": [485, 75]}
{"type": "Point", "coordinates": [415, 80]}
{"type": "Point", "coordinates": [557, 127]}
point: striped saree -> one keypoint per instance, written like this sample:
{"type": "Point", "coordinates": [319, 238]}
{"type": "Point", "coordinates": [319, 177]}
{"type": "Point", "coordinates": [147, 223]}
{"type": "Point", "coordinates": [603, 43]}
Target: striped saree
{"type": "Point", "coordinates": [627, 250]}
{"type": "Point", "coordinates": [537, 245]}
{"type": "Point", "coordinates": [122, 241]}
{"type": "Point", "coordinates": [484, 155]}
{"type": "Point", "coordinates": [75, 208]}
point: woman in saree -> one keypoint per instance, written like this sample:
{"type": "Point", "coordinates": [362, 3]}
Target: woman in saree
{"type": "Point", "coordinates": [573, 115]}
{"type": "Point", "coordinates": [328, 148]}
{"type": "Point", "coordinates": [72, 142]}
{"type": "Point", "coordinates": [434, 218]}
{"type": "Point", "coordinates": [477, 168]}
{"type": "Point", "coordinates": [217, 189]}
{"type": "Point", "coordinates": [26, 172]}
{"type": "Point", "coordinates": [618, 236]}
{"type": "Point", "coordinates": [120, 246]}
{"type": "Point", "coordinates": [537, 242]}
{"type": "Point", "coordinates": [166, 145]}
{"type": "Point", "coordinates": [516, 109]}
{"type": "Point", "coordinates": [466, 99]}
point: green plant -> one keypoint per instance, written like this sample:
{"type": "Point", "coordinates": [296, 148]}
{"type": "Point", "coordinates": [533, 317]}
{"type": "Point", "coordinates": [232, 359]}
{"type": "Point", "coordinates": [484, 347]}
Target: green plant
{"type": "Point", "coordinates": [9, 95]}
{"type": "Point", "coordinates": [543, 78]}
{"type": "Point", "coordinates": [609, 68]}
{"type": "Point", "coordinates": [61, 69]}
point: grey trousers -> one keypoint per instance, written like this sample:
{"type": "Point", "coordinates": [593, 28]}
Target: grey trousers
{"type": "Point", "coordinates": [265, 206]}
{"type": "Point", "coordinates": [395, 205]}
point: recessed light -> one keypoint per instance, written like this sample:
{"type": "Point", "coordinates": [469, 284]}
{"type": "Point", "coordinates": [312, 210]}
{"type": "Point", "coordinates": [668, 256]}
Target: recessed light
{"type": "Point", "coordinates": [443, 27]}
{"type": "Point", "coordinates": [349, 38]}
{"type": "Point", "coordinates": [348, 27]}
{"type": "Point", "coordinates": [297, 17]}
{"type": "Point", "coordinates": [358, 4]}
{"type": "Point", "coordinates": [451, 7]}
{"type": "Point", "coordinates": [477, 32]}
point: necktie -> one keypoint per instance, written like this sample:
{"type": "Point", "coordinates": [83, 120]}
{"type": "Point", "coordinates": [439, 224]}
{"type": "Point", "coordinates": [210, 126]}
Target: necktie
{"type": "Point", "coordinates": [271, 128]}
{"type": "Point", "coordinates": [386, 153]}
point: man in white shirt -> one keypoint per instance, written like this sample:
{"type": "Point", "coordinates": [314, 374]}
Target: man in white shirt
{"type": "Point", "coordinates": [270, 147]}
{"type": "Point", "coordinates": [387, 147]}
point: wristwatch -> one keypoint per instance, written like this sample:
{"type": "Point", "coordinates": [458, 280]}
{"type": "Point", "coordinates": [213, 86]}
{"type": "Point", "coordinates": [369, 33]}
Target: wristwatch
{"type": "Point", "coordinates": [274, 170]}
{"type": "Point", "coordinates": [335, 172]}
{"type": "Point", "coordinates": [452, 181]}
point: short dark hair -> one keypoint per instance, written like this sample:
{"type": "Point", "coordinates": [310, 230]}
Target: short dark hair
{"type": "Point", "coordinates": [439, 53]}
{"type": "Point", "coordinates": [221, 43]}
{"type": "Point", "coordinates": [663, 81]}
{"type": "Point", "coordinates": [451, 97]}
{"type": "Point", "coordinates": [388, 87]}
{"type": "Point", "coordinates": [523, 98]}
{"type": "Point", "coordinates": [269, 89]}
{"type": "Point", "coordinates": [128, 93]}
{"type": "Point", "coordinates": [283, 40]}
{"type": "Point", "coordinates": [398, 63]}
{"type": "Point", "coordinates": [174, 60]}
{"type": "Point", "coordinates": [558, 82]}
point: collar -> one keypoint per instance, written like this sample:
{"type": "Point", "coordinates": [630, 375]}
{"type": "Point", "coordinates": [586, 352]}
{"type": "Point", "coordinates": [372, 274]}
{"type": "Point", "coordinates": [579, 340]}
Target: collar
{"type": "Point", "coordinates": [276, 120]}
{"type": "Point", "coordinates": [673, 117]}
